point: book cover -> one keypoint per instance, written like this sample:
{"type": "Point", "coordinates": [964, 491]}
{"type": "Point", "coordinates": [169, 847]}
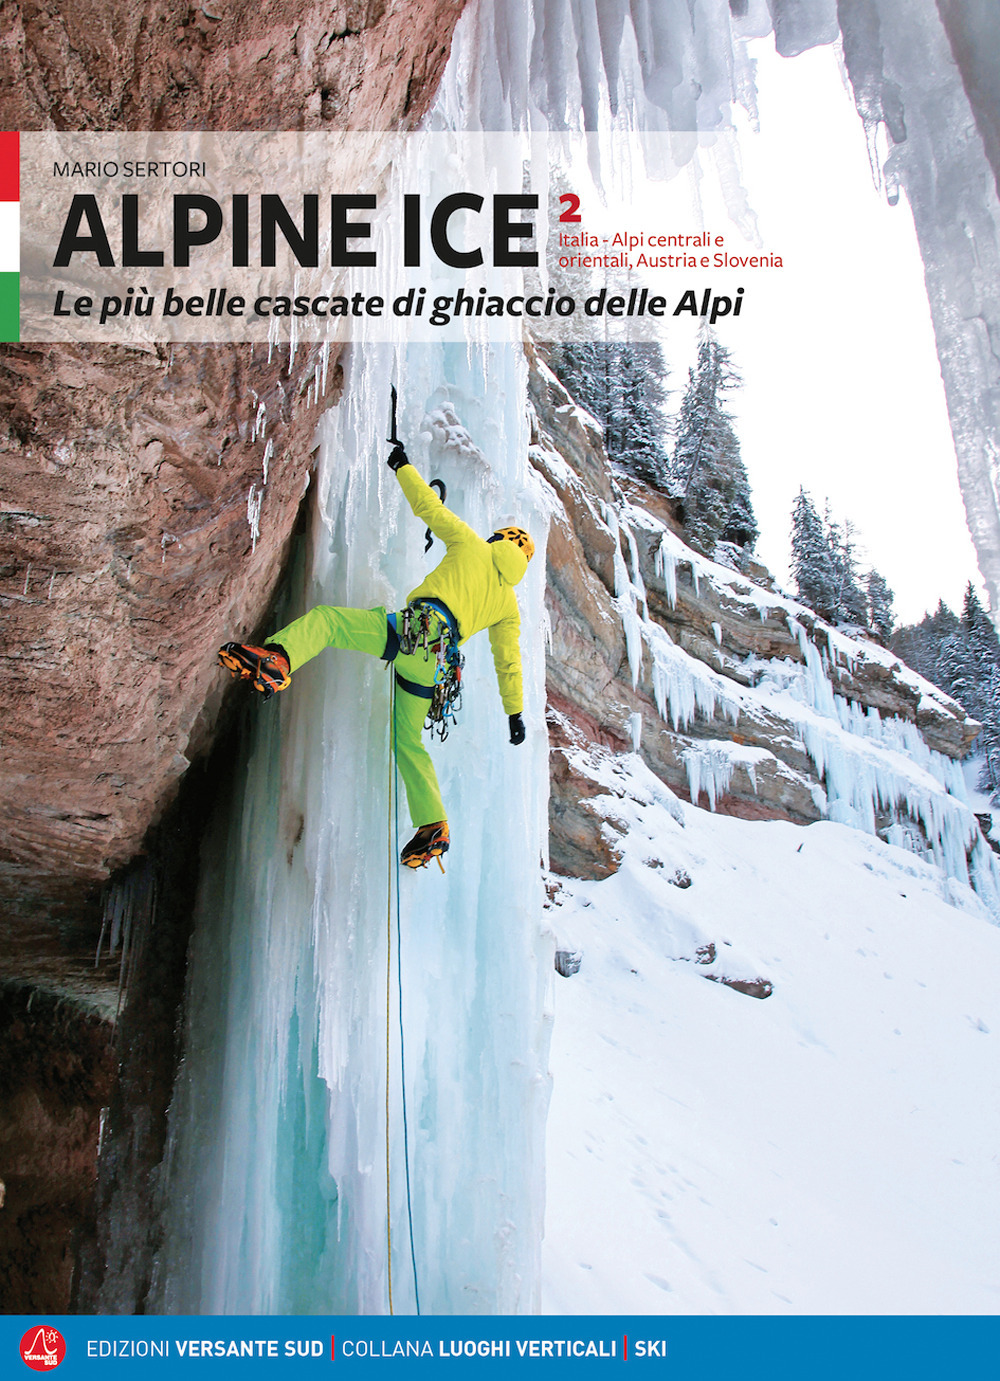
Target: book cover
{"type": "Point", "coordinates": [691, 1022]}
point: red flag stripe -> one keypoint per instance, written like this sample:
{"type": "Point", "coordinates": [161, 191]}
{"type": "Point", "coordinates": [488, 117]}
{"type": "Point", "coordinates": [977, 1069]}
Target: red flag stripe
{"type": "Point", "coordinates": [10, 165]}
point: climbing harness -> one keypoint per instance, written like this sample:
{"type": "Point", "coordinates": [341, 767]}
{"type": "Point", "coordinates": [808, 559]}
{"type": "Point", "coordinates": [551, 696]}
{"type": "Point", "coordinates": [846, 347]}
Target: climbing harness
{"type": "Point", "coordinates": [429, 626]}
{"type": "Point", "coordinates": [393, 855]}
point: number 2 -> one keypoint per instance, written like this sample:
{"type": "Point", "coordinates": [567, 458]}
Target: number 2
{"type": "Point", "coordinates": [572, 208]}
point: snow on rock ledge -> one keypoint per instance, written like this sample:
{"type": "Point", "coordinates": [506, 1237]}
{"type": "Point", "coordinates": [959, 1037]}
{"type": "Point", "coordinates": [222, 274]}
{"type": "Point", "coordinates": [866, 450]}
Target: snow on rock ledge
{"type": "Point", "coordinates": [730, 691]}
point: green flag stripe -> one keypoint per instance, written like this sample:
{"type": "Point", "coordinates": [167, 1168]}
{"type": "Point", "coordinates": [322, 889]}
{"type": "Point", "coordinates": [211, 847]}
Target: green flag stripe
{"type": "Point", "coordinates": [10, 307]}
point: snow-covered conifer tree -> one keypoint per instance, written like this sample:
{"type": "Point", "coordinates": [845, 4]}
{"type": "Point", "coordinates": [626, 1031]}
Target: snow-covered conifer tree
{"type": "Point", "coordinates": [989, 741]}
{"type": "Point", "coordinates": [850, 605]}
{"type": "Point", "coordinates": [624, 387]}
{"type": "Point", "coordinates": [962, 656]}
{"type": "Point", "coordinates": [812, 560]}
{"type": "Point", "coordinates": [980, 631]}
{"type": "Point", "coordinates": [880, 598]}
{"type": "Point", "coordinates": [827, 573]}
{"type": "Point", "coordinates": [706, 470]}
{"type": "Point", "coordinates": [957, 671]}
{"type": "Point", "coordinates": [919, 644]}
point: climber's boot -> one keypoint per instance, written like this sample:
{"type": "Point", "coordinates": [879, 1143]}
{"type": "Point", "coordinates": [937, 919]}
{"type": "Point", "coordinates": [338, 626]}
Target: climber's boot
{"type": "Point", "coordinates": [430, 841]}
{"type": "Point", "coordinates": [267, 668]}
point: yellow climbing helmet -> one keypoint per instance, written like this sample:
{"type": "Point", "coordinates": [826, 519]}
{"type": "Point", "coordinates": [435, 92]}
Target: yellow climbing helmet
{"type": "Point", "coordinates": [518, 536]}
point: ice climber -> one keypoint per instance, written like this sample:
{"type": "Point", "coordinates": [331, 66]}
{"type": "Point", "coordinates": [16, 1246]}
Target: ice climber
{"type": "Point", "coordinates": [471, 589]}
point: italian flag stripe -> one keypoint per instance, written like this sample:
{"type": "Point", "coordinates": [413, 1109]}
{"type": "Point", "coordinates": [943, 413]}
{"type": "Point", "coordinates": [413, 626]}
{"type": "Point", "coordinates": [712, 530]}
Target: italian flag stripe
{"type": "Point", "coordinates": [10, 236]}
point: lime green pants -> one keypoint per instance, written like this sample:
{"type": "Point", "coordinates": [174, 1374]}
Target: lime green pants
{"type": "Point", "coordinates": [364, 630]}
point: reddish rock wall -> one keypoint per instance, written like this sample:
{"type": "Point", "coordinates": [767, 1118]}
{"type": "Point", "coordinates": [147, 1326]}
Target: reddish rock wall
{"type": "Point", "coordinates": [126, 557]}
{"type": "Point", "coordinates": [125, 551]}
{"type": "Point", "coordinates": [245, 64]}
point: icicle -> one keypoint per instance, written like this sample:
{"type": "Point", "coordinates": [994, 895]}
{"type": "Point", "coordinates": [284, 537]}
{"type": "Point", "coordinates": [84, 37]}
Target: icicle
{"type": "Point", "coordinates": [683, 686]}
{"type": "Point", "coordinates": [870, 765]}
{"type": "Point", "coordinates": [666, 569]}
{"type": "Point", "coordinates": [797, 631]}
{"type": "Point", "coordinates": [626, 595]}
{"type": "Point", "coordinates": [709, 768]}
{"type": "Point", "coordinates": [638, 586]}
{"type": "Point", "coordinates": [254, 501]}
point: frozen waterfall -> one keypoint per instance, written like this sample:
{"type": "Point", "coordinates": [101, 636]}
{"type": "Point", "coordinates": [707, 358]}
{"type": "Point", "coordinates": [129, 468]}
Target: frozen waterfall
{"type": "Point", "coordinates": [277, 1164]}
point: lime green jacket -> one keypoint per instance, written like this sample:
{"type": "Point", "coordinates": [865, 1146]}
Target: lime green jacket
{"type": "Point", "coordinates": [475, 580]}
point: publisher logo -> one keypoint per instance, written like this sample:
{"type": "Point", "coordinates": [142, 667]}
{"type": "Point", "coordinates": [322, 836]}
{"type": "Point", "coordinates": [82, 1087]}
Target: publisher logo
{"type": "Point", "coordinates": [43, 1347]}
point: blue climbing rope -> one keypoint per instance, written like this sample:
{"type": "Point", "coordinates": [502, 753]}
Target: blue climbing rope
{"type": "Point", "coordinates": [399, 981]}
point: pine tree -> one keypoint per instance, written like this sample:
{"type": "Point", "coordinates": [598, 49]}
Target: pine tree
{"type": "Point", "coordinates": [706, 470]}
{"type": "Point", "coordinates": [813, 566]}
{"type": "Point", "coordinates": [880, 598]}
{"type": "Point", "coordinates": [636, 417]}
{"type": "Point", "coordinates": [919, 645]}
{"type": "Point", "coordinates": [624, 387]}
{"type": "Point", "coordinates": [741, 525]}
{"type": "Point", "coordinates": [958, 654]}
{"type": "Point", "coordinates": [958, 673]}
{"type": "Point", "coordinates": [827, 572]}
{"type": "Point", "coordinates": [989, 742]}
{"type": "Point", "coordinates": [943, 621]}
{"type": "Point", "coordinates": [979, 629]}
{"type": "Point", "coordinates": [850, 605]}
{"type": "Point", "coordinates": [962, 656]}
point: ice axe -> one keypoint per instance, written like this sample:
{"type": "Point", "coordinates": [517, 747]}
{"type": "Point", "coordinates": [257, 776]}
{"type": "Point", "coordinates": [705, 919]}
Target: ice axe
{"type": "Point", "coordinates": [392, 437]}
{"type": "Point", "coordinates": [394, 440]}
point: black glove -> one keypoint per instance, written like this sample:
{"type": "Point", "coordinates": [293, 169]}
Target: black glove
{"type": "Point", "coordinates": [397, 457]}
{"type": "Point", "coordinates": [516, 728]}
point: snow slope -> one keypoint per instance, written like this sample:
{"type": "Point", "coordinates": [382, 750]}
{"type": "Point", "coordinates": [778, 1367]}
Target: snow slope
{"type": "Point", "coordinates": [830, 1149]}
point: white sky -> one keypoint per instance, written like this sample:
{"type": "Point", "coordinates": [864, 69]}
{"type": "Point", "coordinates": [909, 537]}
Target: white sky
{"type": "Point", "coordinates": [842, 390]}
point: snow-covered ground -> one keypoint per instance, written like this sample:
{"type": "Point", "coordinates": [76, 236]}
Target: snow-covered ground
{"type": "Point", "coordinates": [979, 800]}
{"type": "Point", "coordinates": [832, 1148]}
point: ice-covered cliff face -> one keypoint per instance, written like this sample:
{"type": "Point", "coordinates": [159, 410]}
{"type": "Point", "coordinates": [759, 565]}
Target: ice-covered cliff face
{"type": "Point", "coordinates": [754, 1143]}
{"type": "Point", "coordinates": [277, 1191]}
{"type": "Point", "coordinates": [734, 694]}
